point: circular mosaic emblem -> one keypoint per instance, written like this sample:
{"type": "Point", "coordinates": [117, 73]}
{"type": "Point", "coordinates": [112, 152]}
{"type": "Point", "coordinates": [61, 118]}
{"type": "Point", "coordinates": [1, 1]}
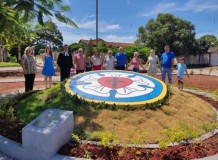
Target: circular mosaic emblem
{"type": "Point", "coordinates": [119, 87]}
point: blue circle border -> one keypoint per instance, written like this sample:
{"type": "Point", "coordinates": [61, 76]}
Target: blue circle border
{"type": "Point", "coordinates": [158, 93]}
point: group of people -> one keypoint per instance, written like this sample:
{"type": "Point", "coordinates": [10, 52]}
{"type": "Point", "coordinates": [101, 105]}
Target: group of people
{"type": "Point", "coordinates": [81, 63]}
{"type": "Point", "coordinates": [28, 63]}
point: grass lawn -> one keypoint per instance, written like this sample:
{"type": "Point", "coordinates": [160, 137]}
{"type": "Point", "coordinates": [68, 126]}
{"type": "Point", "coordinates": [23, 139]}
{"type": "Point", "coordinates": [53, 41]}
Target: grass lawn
{"type": "Point", "coordinates": [142, 126]}
{"type": "Point", "coordinates": [9, 64]}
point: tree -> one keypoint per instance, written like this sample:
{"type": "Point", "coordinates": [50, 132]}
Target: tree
{"type": "Point", "coordinates": [75, 46]}
{"type": "Point", "coordinates": [42, 8]}
{"type": "Point", "coordinates": [89, 49]}
{"type": "Point", "coordinates": [102, 47]}
{"type": "Point", "coordinates": [205, 42]}
{"type": "Point", "coordinates": [48, 34]}
{"type": "Point", "coordinates": [15, 15]}
{"type": "Point", "coordinates": [143, 52]}
{"type": "Point", "coordinates": [167, 29]}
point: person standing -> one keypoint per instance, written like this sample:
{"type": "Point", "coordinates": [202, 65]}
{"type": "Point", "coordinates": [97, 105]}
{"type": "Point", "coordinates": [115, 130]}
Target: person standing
{"type": "Point", "coordinates": [152, 62]}
{"type": "Point", "coordinates": [65, 63]}
{"type": "Point", "coordinates": [167, 61]}
{"type": "Point", "coordinates": [28, 63]}
{"type": "Point", "coordinates": [181, 66]}
{"type": "Point", "coordinates": [121, 60]}
{"type": "Point", "coordinates": [48, 66]}
{"type": "Point", "coordinates": [108, 62]}
{"type": "Point", "coordinates": [79, 61]}
{"type": "Point", "coordinates": [136, 62]}
{"type": "Point", "coordinates": [88, 64]}
{"type": "Point", "coordinates": [96, 61]}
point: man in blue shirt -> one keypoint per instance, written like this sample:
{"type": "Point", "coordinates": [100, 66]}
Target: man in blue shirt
{"type": "Point", "coordinates": [167, 60]}
{"type": "Point", "coordinates": [121, 60]}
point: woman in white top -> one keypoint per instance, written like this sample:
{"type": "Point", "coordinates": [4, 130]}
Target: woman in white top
{"type": "Point", "coordinates": [152, 62]}
{"type": "Point", "coordinates": [96, 61]}
{"type": "Point", "coordinates": [108, 63]}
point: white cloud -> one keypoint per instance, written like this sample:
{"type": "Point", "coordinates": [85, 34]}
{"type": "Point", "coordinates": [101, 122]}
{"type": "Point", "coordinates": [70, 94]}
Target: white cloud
{"type": "Point", "coordinates": [70, 37]}
{"type": "Point", "coordinates": [102, 26]}
{"type": "Point", "coordinates": [160, 8]}
{"type": "Point", "coordinates": [191, 5]}
{"type": "Point", "coordinates": [116, 38]}
{"type": "Point", "coordinates": [201, 5]}
{"type": "Point", "coordinates": [87, 24]}
{"type": "Point", "coordinates": [112, 26]}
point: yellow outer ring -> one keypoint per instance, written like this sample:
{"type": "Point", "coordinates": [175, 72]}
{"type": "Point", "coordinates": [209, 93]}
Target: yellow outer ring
{"type": "Point", "coordinates": [161, 96]}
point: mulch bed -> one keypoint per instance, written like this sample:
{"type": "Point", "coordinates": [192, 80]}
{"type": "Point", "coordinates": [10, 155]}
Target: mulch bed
{"type": "Point", "coordinates": [205, 148]}
{"type": "Point", "coordinates": [202, 149]}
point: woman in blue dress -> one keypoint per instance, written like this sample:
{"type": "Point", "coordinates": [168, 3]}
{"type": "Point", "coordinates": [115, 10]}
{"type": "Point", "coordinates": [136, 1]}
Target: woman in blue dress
{"type": "Point", "coordinates": [48, 66]}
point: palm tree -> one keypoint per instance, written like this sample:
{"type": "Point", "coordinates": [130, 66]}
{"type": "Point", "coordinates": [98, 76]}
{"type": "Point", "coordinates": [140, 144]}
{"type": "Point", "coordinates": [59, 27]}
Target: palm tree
{"type": "Point", "coordinates": [15, 14]}
{"type": "Point", "coordinates": [40, 8]}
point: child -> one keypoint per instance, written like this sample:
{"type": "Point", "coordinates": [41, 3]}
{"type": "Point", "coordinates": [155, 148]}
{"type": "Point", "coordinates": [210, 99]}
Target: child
{"type": "Point", "coordinates": [88, 64]}
{"type": "Point", "coordinates": [180, 74]}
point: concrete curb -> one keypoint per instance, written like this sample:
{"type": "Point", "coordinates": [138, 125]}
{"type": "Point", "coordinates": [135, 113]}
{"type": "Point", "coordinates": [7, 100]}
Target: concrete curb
{"type": "Point", "coordinates": [14, 149]}
{"type": "Point", "coordinates": [14, 80]}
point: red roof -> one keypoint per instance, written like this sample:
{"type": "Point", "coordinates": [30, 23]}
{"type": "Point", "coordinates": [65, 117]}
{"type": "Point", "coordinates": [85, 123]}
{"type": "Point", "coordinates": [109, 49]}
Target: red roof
{"type": "Point", "coordinates": [114, 44]}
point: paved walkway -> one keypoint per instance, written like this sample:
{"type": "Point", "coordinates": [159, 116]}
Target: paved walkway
{"type": "Point", "coordinates": [213, 71]}
{"type": "Point", "coordinates": [21, 79]}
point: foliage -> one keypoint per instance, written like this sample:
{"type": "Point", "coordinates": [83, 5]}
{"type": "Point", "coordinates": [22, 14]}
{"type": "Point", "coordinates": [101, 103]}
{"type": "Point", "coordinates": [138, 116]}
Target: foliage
{"type": "Point", "coordinates": [12, 59]}
{"type": "Point", "coordinates": [205, 42]}
{"type": "Point", "coordinates": [209, 127]}
{"type": "Point", "coordinates": [9, 64]}
{"type": "Point", "coordinates": [102, 47]}
{"type": "Point", "coordinates": [89, 49]}
{"type": "Point", "coordinates": [55, 97]}
{"type": "Point", "coordinates": [143, 52]}
{"type": "Point", "coordinates": [48, 34]}
{"type": "Point", "coordinates": [90, 118]}
{"type": "Point", "coordinates": [7, 109]}
{"type": "Point", "coordinates": [191, 72]}
{"type": "Point", "coordinates": [11, 30]}
{"type": "Point", "coordinates": [106, 138]}
{"type": "Point", "coordinates": [177, 133]}
{"type": "Point", "coordinates": [16, 16]}
{"type": "Point", "coordinates": [14, 49]}
{"type": "Point", "coordinates": [75, 46]}
{"type": "Point", "coordinates": [40, 8]}
{"type": "Point", "coordinates": [168, 29]}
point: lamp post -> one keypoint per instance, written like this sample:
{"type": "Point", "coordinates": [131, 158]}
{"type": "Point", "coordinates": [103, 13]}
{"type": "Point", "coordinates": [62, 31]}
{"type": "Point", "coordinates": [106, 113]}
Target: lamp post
{"type": "Point", "coordinates": [97, 25]}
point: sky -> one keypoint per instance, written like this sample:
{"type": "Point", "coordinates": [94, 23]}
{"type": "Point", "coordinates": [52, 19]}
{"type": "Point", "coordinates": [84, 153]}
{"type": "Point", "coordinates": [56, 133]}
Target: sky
{"type": "Point", "coordinates": [119, 20]}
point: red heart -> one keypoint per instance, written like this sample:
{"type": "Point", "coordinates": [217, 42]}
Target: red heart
{"type": "Point", "coordinates": [115, 82]}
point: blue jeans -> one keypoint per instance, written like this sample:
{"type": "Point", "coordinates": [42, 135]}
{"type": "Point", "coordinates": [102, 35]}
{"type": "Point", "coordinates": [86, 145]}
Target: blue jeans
{"type": "Point", "coordinates": [167, 71]}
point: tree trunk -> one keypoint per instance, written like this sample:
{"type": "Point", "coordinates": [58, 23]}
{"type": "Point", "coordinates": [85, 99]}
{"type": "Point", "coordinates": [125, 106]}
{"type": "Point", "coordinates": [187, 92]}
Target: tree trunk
{"type": "Point", "coordinates": [5, 55]}
{"type": "Point", "coordinates": [19, 53]}
{"type": "Point", "coordinates": [1, 54]}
